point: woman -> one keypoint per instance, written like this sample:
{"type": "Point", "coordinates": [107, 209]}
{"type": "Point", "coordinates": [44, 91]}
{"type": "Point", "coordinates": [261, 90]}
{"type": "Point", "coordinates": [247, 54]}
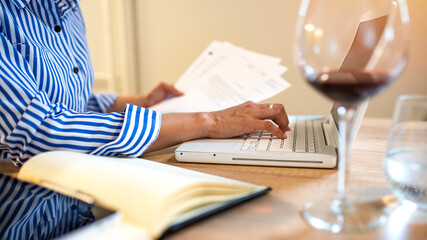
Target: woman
{"type": "Point", "coordinates": [47, 103]}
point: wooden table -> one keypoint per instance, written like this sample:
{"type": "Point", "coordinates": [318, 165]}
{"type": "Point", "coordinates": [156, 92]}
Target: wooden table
{"type": "Point", "coordinates": [277, 214]}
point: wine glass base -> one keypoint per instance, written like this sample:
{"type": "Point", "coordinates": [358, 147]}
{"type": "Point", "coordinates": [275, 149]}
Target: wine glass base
{"type": "Point", "coordinates": [336, 216]}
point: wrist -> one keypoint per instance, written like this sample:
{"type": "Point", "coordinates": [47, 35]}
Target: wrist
{"type": "Point", "coordinates": [141, 100]}
{"type": "Point", "coordinates": [207, 123]}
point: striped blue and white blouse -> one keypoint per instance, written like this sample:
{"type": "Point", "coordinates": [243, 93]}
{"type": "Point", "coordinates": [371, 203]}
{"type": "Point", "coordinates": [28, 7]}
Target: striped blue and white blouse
{"type": "Point", "coordinates": [46, 80]}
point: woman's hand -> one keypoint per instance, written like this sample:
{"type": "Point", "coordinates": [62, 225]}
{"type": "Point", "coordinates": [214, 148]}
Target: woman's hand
{"type": "Point", "coordinates": [248, 117]}
{"type": "Point", "coordinates": [244, 118]}
{"type": "Point", "coordinates": [158, 94]}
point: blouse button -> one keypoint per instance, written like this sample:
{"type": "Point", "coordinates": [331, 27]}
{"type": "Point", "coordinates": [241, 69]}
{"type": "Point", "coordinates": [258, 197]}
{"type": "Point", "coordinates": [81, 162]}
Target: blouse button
{"type": "Point", "coordinates": [57, 28]}
{"type": "Point", "coordinates": [76, 70]}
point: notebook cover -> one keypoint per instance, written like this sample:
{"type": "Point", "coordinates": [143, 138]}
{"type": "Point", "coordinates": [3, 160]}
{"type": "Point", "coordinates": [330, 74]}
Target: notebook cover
{"type": "Point", "coordinates": [226, 205]}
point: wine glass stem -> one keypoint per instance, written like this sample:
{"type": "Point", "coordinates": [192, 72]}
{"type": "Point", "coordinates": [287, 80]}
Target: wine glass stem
{"type": "Point", "coordinates": [345, 114]}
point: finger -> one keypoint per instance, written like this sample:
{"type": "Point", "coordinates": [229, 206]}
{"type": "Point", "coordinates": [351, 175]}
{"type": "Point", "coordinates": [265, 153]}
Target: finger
{"type": "Point", "coordinates": [271, 128]}
{"type": "Point", "coordinates": [282, 118]}
{"type": "Point", "coordinates": [277, 113]}
{"type": "Point", "coordinates": [171, 89]}
{"type": "Point", "coordinates": [267, 106]}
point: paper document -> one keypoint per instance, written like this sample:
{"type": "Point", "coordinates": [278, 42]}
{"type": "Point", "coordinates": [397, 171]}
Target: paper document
{"type": "Point", "coordinates": [224, 76]}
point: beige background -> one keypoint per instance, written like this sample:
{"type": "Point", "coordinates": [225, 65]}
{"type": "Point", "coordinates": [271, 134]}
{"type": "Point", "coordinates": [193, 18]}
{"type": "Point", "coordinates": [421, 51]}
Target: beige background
{"type": "Point", "coordinates": [170, 34]}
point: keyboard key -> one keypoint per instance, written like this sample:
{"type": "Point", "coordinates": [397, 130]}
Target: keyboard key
{"type": "Point", "coordinates": [276, 145]}
{"type": "Point", "coordinates": [311, 148]}
{"type": "Point", "coordinates": [288, 145]}
{"type": "Point", "coordinates": [263, 145]}
{"type": "Point", "coordinates": [246, 145]}
{"type": "Point", "coordinates": [266, 135]}
{"type": "Point", "coordinates": [253, 145]}
{"type": "Point", "coordinates": [300, 148]}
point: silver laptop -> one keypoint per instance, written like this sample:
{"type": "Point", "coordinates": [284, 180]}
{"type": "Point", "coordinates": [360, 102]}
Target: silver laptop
{"type": "Point", "coordinates": [312, 142]}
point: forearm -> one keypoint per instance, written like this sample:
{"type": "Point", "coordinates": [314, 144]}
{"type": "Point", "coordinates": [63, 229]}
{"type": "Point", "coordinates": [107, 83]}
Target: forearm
{"type": "Point", "coordinates": [180, 127]}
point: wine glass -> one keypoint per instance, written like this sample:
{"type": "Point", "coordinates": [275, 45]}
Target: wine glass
{"type": "Point", "coordinates": [349, 51]}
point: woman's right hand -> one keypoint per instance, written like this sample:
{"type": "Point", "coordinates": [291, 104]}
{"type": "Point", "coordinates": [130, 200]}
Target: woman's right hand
{"type": "Point", "coordinates": [248, 117]}
{"type": "Point", "coordinates": [231, 122]}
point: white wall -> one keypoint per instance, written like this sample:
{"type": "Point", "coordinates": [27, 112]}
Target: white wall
{"type": "Point", "coordinates": [172, 33]}
{"type": "Point", "coordinates": [111, 37]}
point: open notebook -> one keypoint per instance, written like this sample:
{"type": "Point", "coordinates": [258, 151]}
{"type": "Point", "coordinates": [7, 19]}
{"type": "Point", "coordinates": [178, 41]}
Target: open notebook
{"type": "Point", "coordinates": [154, 197]}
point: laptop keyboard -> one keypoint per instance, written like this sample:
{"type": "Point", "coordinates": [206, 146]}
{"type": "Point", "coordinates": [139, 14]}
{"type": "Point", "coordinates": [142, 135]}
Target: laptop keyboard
{"type": "Point", "coordinates": [300, 139]}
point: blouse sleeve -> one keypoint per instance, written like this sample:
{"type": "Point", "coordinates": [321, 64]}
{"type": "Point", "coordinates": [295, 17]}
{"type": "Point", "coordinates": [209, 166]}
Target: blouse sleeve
{"type": "Point", "coordinates": [30, 123]}
{"type": "Point", "coordinates": [101, 102]}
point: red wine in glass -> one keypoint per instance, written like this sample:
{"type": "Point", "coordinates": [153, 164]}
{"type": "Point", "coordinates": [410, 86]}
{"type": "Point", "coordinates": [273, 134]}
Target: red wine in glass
{"type": "Point", "coordinates": [350, 86]}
